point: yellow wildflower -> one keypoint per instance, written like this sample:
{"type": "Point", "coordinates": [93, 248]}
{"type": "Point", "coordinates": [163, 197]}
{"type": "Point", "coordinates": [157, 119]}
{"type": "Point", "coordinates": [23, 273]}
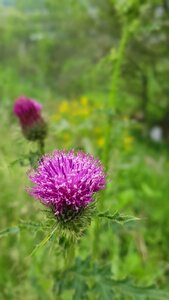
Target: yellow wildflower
{"type": "Point", "coordinates": [101, 142]}
{"type": "Point", "coordinates": [63, 107]}
{"type": "Point", "coordinates": [84, 101]}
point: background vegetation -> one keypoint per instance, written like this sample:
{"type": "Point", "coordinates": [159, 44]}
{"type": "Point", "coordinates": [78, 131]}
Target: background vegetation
{"type": "Point", "coordinates": [100, 68]}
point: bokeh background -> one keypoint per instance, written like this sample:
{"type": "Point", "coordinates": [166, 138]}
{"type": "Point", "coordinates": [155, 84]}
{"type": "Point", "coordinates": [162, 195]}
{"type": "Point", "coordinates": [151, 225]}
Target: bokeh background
{"type": "Point", "coordinates": [77, 58]}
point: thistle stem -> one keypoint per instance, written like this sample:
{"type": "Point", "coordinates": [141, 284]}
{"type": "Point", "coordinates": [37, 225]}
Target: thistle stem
{"type": "Point", "coordinates": [69, 256]}
{"type": "Point", "coordinates": [41, 145]}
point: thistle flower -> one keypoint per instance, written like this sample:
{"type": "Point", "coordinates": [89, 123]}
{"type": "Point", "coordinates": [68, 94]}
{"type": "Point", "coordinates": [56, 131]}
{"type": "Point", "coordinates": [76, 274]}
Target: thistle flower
{"type": "Point", "coordinates": [29, 113]}
{"type": "Point", "coordinates": [67, 181]}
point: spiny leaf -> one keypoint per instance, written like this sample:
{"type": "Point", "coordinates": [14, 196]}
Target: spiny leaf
{"type": "Point", "coordinates": [22, 161]}
{"type": "Point", "coordinates": [17, 229]}
{"type": "Point", "coordinates": [81, 288]}
{"type": "Point", "coordinates": [30, 224]}
{"type": "Point", "coordinates": [8, 231]}
{"type": "Point", "coordinates": [138, 292]}
{"type": "Point", "coordinates": [103, 287]}
{"type": "Point", "coordinates": [28, 159]}
{"type": "Point", "coordinates": [99, 280]}
{"type": "Point", "coordinates": [44, 241]}
{"type": "Point", "coordinates": [117, 217]}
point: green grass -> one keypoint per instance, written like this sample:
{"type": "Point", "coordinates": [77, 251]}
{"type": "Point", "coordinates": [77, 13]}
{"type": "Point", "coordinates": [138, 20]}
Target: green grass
{"type": "Point", "coordinates": [138, 186]}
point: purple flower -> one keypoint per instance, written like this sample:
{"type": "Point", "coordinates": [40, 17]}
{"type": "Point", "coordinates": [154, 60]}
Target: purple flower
{"type": "Point", "coordinates": [67, 180]}
{"type": "Point", "coordinates": [29, 113]}
{"type": "Point", "coordinates": [27, 110]}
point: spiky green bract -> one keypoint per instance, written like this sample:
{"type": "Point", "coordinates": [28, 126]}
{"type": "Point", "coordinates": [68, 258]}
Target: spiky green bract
{"type": "Point", "coordinates": [76, 227]}
{"type": "Point", "coordinates": [72, 225]}
{"type": "Point", "coordinates": [37, 131]}
{"type": "Point", "coordinates": [64, 231]}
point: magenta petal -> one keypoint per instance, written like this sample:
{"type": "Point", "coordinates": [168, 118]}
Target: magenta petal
{"type": "Point", "coordinates": [27, 110]}
{"type": "Point", "coordinates": [67, 179]}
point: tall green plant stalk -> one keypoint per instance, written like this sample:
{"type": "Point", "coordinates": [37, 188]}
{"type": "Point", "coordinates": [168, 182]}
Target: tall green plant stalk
{"type": "Point", "coordinates": [110, 108]}
{"type": "Point", "coordinates": [41, 145]}
{"type": "Point", "coordinates": [111, 104]}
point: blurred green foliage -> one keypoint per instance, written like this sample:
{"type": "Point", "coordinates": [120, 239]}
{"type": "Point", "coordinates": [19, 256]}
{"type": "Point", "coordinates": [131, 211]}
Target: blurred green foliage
{"type": "Point", "coordinates": [41, 41]}
{"type": "Point", "coordinates": [88, 61]}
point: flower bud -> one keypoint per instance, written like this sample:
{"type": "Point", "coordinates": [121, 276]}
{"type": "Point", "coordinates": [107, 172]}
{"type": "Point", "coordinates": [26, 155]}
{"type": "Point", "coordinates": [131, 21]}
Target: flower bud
{"type": "Point", "coordinates": [32, 123]}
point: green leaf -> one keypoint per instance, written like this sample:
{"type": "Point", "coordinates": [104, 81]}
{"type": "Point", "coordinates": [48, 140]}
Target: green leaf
{"type": "Point", "coordinates": [126, 287]}
{"type": "Point", "coordinates": [86, 277]}
{"type": "Point", "coordinates": [30, 224]}
{"type": "Point", "coordinates": [74, 278]}
{"type": "Point", "coordinates": [17, 229]}
{"type": "Point", "coordinates": [8, 231]}
{"type": "Point", "coordinates": [118, 218]}
{"type": "Point", "coordinates": [103, 286]}
{"type": "Point", "coordinates": [44, 241]}
{"type": "Point", "coordinates": [81, 288]}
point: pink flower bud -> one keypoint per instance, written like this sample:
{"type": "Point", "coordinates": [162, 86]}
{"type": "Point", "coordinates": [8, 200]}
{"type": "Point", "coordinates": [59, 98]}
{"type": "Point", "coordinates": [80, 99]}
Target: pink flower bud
{"type": "Point", "coordinates": [29, 113]}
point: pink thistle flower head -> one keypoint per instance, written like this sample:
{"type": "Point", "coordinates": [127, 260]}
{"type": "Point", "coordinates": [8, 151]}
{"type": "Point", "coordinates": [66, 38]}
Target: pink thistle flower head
{"type": "Point", "coordinates": [67, 181]}
{"type": "Point", "coordinates": [29, 113]}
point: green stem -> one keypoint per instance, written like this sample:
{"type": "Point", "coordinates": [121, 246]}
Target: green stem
{"type": "Point", "coordinates": [41, 145]}
{"type": "Point", "coordinates": [111, 106]}
{"type": "Point", "coordinates": [112, 102]}
{"type": "Point", "coordinates": [69, 256]}
{"type": "Point", "coordinates": [117, 67]}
